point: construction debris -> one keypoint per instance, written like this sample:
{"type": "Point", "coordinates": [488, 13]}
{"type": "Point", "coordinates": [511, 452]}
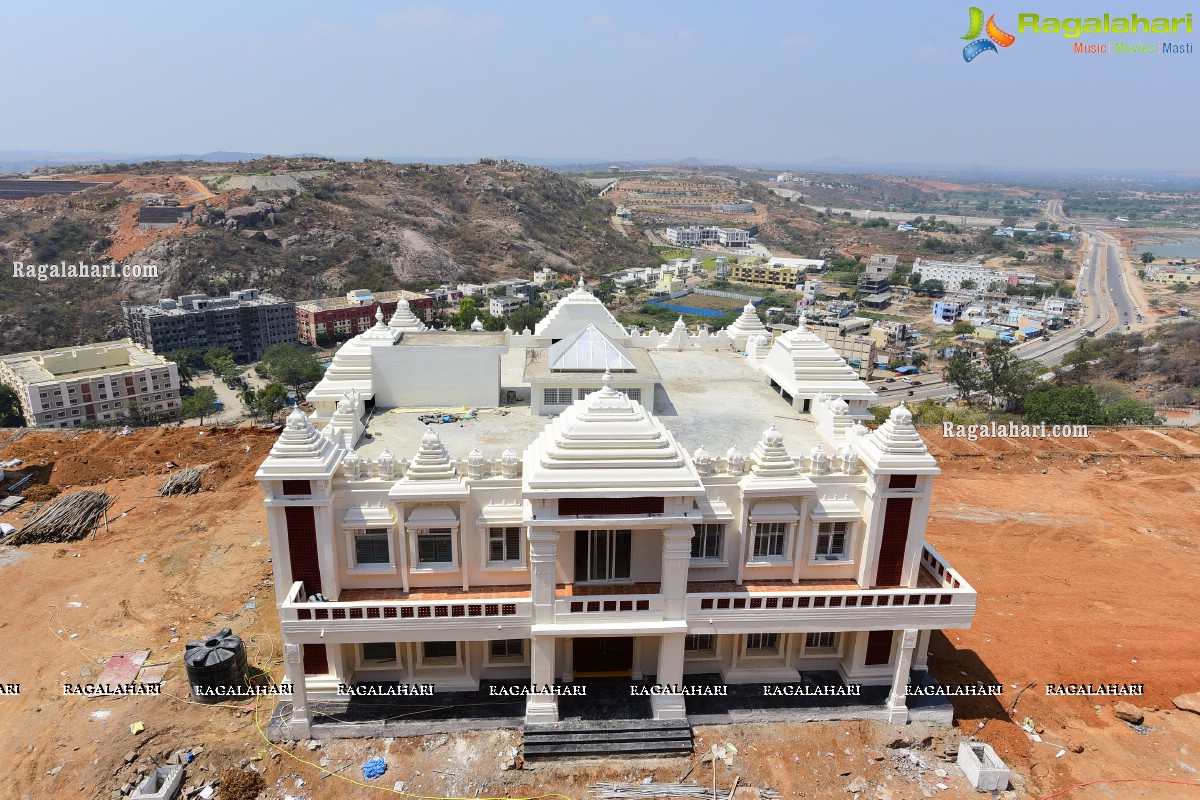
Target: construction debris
{"type": "Point", "coordinates": [66, 519]}
{"type": "Point", "coordinates": [185, 481]}
{"type": "Point", "coordinates": [646, 791]}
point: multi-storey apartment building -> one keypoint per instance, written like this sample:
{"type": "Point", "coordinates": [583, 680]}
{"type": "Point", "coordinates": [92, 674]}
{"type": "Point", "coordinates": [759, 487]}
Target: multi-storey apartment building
{"type": "Point", "coordinates": [953, 275]}
{"type": "Point", "coordinates": [247, 322]}
{"type": "Point", "coordinates": [109, 382]}
{"type": "Point", "coordinates": [320, 322]}
{"type": "Point", "coordinates": [735, 524]}
{"type": "Point", "coordinates": [695, 236]}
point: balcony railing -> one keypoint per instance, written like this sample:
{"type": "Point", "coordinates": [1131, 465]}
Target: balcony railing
{"type": "Point", "coordinates": [951, 605]}
{"type": "Point", "coordinates": [297, 610]}
{"type": "Point", "coordinates": [611, 606]}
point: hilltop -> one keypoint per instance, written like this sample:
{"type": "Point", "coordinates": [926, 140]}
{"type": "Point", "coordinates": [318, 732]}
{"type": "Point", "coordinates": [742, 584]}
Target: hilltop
{"type": "Point", "coordinates": [298, 227]}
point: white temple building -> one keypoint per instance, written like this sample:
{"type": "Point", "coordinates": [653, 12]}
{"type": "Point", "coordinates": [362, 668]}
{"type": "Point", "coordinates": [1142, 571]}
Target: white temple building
{"type": "Point", "coordinates": [677, 510]}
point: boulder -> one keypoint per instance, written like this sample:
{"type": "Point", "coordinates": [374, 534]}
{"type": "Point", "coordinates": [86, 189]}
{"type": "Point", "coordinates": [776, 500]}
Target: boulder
{"type": "Point", "coordinates": [1188, 702]}
{"type": "Point", "coordinates": [1128, 712]}
{"type": "Point", "coordinates": [859, 784]}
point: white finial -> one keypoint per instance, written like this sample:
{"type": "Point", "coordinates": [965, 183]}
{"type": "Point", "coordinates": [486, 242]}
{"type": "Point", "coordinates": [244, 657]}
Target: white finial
{"type": "Point", "coordinates": [297, 419]}
{"type": "Point", "coordinates": [379, 315]}
{"type": "Point", "coordinates": [607, 379]}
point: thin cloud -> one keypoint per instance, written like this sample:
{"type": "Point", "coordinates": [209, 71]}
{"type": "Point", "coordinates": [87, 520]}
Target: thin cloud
{"type": "Point", "coordinates": [434, 19]}
{"type": "Point", "coordinates": [600, 21]}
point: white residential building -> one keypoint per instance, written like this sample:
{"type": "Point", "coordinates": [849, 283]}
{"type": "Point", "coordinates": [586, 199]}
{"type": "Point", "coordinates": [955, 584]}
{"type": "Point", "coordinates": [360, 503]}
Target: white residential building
{"type": "Point", "coordinates": [506, 304]}
{"type": "Point", "coordinates": [111, 383]}
{"type": "Point", "coordinates": [698, 237]}
{"type": "Point", "coordinates": [704, 530]}
{"type": "Point", "coordinates": [952, 275]}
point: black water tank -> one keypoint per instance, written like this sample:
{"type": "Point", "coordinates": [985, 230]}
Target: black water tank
{"type": "Point", "coordinates": [216, 667]}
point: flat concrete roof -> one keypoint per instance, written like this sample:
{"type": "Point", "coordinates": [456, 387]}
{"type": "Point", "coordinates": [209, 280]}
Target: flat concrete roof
{"type": "Point", "coordinates": [26, 367]}
{"type": "Point", "coordinates": [710, 398]}
{"type": "Point", "coordinates": [453, 339]}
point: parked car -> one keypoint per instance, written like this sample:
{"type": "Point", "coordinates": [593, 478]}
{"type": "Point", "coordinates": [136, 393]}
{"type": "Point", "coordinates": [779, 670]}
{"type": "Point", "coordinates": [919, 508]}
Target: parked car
{"type": "Point", "coordinates": [883, 388]}
{"type": "Point", "coordinates": [915, 383]}
{"type": "Point", "coordinates": [890, 380]}
{"type": "Point", "coordinates": [907, 379]}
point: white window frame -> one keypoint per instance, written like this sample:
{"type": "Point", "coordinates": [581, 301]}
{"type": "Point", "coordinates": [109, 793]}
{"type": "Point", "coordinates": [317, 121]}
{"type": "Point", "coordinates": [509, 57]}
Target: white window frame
{"type": "Point", "coordinates": [558, 401]}
{"type": "Point", "coordinates": [758, 652]}
{"type": "Point", "coordinates": [352, 535]}
{"type": "Point", "coordinates": [703, 529]}
{"type": "Point", "coordinates": [365, 663]}
{"type": "Point", "coordinates": [440, 661]}
{"type": "Point", "coordinates": [817, 650]}
{"type": "Point", "coordinates": [582, 393]}
{"type": "Point", "coordinates": [505, 563]}
{"type": "Point", "coordinates": [817, 557]}
{"type": "Point", "coordinates": [699, 654]}
{"type": "Point", "coordinates": [507, 661]}
{"type": "Point", "coordinates": [785, 538]}
{"type": "Point", "coordinates": [434, 566]}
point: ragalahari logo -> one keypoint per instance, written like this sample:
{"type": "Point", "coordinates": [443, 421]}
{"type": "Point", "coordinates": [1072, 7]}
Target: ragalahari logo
{"type": "Point", "coordinates": [995, 36]}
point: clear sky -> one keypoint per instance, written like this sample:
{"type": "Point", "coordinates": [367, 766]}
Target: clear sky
{"type": "Point", "coordinates": [783, 82]}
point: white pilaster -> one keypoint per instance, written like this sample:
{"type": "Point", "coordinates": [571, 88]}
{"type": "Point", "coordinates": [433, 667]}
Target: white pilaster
{"type": "Point", "coordinates": [300, 726]}
{"type": "Point", "coordinates": [677, 555]}
{"type": "Point", "coordinates": [670, 673]}
{"type": "Point", "coordinates": [541, 709]}
{"type": "Point", "coordinates": [897, 707]}
{"type": "Point", "coordinates": [543, 558]}
{"type": "Point", "coordinates": [921, 654]}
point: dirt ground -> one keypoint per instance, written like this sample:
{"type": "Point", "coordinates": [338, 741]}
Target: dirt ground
{"type": "Point", "coordinates": [1083, 552]}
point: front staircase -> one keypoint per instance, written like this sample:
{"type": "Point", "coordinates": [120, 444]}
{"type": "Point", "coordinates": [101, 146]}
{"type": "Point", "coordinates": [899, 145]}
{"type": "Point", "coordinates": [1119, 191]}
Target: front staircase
{"type": "Point", "coordinates": [599, 738]}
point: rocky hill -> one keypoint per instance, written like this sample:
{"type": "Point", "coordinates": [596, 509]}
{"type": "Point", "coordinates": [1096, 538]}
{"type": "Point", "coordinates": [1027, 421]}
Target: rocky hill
{"type": "Point", "coordinates": [297, 227]}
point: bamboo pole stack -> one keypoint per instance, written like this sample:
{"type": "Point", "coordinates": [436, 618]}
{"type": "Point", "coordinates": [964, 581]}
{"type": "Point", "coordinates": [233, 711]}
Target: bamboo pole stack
{"type": "Point", "coordinates": [185, 481]}
{"type": "Point", "coordinates": [66, 519]}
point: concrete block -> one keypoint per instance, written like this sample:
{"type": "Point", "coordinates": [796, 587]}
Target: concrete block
{"type": "Point", "coordinates": [983, 768]}
{"type": "Point", "coordinates": [161, 784]}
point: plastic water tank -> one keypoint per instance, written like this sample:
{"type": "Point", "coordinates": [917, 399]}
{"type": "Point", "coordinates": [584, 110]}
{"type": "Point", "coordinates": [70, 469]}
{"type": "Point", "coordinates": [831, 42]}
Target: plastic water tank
{"type": "Point", "coordinates": [216, 667]}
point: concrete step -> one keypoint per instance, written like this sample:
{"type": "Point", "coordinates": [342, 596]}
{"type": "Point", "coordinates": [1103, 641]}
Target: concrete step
{"type": "Point", "coordinates": [608, 737]}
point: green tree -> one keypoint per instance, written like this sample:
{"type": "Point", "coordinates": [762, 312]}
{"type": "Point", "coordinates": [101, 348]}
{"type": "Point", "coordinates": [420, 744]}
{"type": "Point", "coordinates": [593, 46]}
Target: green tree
{"type": "Point", "coordinates": [247, 395]}
{"type": "Point", "coordinates": [919, 359]}
{"type": "Point", "coordinates": [1058, 254]}
{"type": "Point", "coordinates": [270, 400]}
{"type": "Point", "coordinates": [963, 374]}
{"type": "Point", "coordinates": [1019, 255]}
{"type": "Point", "coordinates": [1130, 411]}
{"type": "Point", "coordinates": [200, 403]}
{"type": "Point", "coordinates": [968, 284]}
{"type": "Point", "coordinates": [292, 365]}
{"type": "Point", "coordinates": [214, 356]}
{"type": "Point", "coordinates": [1070, 405]}
{"type": "Point", "coordinates": [1147, 256]}
{"type": "Point", "coordinates": [1008, 378]}
{"type": "Point", "coordinates": [187, 361]}
{"type": "Point", "coordinates": [1042, 226]}
{"type": "Point", "coordinates": [962, 328]}
{"type": "Point", "coordinates": [10, 408]}
{"type": "Point", "coordinates": [525, 317]}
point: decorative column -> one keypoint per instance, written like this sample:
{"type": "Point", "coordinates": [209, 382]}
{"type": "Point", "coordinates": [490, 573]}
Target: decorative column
{"type": "Point", "coordinates": [677, 555]}
{"type": "Point", "coordinates": [897, 707]}
{"type": "Point", "coordinates": [670, 673]}
{"type": "Point", "coordinates": [300, 726]}
{"type": "Point", "coordinates": [541, 708]}
{"type": "Point", "coordinates": [543, 560]}
{"type": "Point", "coordinates": [921, 654]}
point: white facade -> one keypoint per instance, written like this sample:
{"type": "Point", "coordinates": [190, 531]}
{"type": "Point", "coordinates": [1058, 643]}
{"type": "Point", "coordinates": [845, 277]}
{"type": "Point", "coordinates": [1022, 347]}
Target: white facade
{"type": "Point", "coordinates": [503, 306]}
{"type": "Point", "coordinates": [953, 275]}
{"type": "Point", "coordinates": [670, 536]}
{"type": "Point", "coordinates": [109, 382]}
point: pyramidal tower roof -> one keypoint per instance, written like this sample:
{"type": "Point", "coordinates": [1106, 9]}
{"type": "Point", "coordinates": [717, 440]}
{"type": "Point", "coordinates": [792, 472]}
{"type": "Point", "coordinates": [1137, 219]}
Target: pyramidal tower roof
{"type": "Point", "coordinates": [575, 311]}
{"type": "Point", "coordinates": [805, 366]}
{"type": "Point", "coordinates": [748, 324]}
{"type": "Point", "coordinates": [679, 339]}
{"type": "Point", "coordinates": [432, 461]}
{"type": "Point", "coordinates": [404, 319]}
{"type": "Point", "coordinates": [589, 349]}
{"type": "Point", "coordinates": [301, 452]}
{"type": "Point", "coordinates": [895, 446]}
{"type": "Point", "coordinates": [607, 445]}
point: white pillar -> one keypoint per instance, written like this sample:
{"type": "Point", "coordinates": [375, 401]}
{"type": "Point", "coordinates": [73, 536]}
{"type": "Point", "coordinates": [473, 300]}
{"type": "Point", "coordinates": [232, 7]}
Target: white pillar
{"type": "Point", "coordinates": [921, 654]}
{"type": "Point", "coordinates": [897, 707]}
{"type": "Point", "coordinates": [670, 673]}
{"type": "Point", "coordinates": [543, 559]}
{"type": "Point", "coordinates": [300, 726]}
{"type": "Point", "coordinates": [568, 665]}
{"type": "Point", "coordinates": [677, 555]}
{"type": "Point", "coordinates": [541, 708]}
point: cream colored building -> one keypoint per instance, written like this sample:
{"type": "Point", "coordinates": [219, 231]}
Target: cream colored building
{"type": "Point", "coordinates": [707, 531]}
{"type": "Point", "coordinates": [109, 382]}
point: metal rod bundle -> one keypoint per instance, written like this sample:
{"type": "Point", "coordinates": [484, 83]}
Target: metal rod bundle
{"type": "Point", "coordinates": [66, 519]}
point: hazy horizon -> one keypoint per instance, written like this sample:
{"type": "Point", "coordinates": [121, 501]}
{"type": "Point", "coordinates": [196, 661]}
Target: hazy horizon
{"type": "Point", "coordinates": [760, 83]}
